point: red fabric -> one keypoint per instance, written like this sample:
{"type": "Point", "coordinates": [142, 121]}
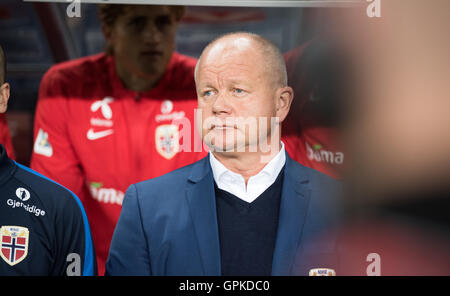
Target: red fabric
{"type": "Point", "coordinates": [310, 144]}
{"type": "Point", "coordinates": [5, 137]}
{"type": "Point", "coordinates": [124, 149]}
{"type": "Point", "coordinates": [317, 148]}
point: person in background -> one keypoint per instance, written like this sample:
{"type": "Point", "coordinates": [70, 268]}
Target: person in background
{"type": "Point", "coordinates": [43, 227]}
{"type": "Point", "coordinates": [105, 121]}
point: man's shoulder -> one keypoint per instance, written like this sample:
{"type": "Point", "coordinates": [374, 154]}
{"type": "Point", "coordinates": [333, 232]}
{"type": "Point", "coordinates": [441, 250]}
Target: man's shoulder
{"type": "Point", "coordinates": [77, 69]}
{"type": "Point", "coordinates": [315, 178]}
{"type": "Point", "coordinates": [325, 194]}
{"type": "Point", "coordinates": [170, 182]}
{"type": "Point", "coordinates": [85, 77]}
{"type": "Point", "coordinates": [51, 194]}
{"type": "Point", "coordinates": [164, 193]}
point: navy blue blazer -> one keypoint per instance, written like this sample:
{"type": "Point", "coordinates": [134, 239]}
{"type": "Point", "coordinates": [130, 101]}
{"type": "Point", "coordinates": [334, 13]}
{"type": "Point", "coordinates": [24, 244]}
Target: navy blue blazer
{"type": "Point", "coordinates": [168, 225]}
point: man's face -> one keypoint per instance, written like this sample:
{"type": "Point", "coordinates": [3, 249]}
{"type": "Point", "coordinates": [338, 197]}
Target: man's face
{"type": "Point", "coordinates": [143, 39]}
{"type": "Point", "coordinates": [234, 93]}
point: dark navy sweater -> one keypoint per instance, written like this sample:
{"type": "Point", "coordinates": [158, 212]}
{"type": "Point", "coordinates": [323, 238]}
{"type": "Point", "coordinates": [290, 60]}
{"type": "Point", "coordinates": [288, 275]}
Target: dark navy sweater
{"type": "Point", "coordinates": [247, 231]}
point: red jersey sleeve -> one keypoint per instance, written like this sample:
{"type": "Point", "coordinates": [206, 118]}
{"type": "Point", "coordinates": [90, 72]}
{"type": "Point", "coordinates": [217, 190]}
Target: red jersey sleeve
{"type": "Point", "coordinates": [53, 154]}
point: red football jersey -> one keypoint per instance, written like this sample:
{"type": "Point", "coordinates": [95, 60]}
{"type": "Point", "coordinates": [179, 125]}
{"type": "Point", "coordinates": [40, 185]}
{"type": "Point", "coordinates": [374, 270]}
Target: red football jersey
{"type": "Point", "coordinates": [317, 148]}
{"type": "Point", "coordinates": [96, 137]}
{"type": "Point", "coordinates": [5, 136]}
{"type": "Point", "coordinates": [311, 144]}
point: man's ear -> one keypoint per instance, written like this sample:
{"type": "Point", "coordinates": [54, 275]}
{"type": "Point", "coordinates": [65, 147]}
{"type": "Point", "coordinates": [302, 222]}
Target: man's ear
{"type": "Point", "coordinates": [4, 97]}
{"type": "Point", "coordinates": [285, 95]}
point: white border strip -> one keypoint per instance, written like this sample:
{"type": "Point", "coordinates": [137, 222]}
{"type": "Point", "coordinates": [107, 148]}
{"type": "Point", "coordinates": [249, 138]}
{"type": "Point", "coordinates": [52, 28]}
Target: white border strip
{"type": "Point", "coordinates": [233, 3]}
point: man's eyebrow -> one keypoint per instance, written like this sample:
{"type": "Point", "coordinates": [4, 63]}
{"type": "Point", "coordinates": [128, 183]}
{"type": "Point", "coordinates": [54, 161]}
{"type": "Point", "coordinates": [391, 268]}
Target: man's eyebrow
{"type": "Point", "coordinates": [236, 81]}
{"type": "Point", "coordinates": [206, 85]}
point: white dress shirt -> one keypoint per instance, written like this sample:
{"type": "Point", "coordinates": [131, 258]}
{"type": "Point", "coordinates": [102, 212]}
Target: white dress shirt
{"type": "Point", "coordinates": [235, 183]}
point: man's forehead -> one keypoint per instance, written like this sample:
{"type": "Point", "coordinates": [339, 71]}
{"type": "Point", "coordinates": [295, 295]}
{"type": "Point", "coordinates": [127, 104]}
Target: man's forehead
{"type": "Point", "coordinates": [233, 42]}
{"type": "Point", "coordinates": [234, 72]}
{"type": "Point", "coordinates": [238, 53]}
{"type": "Point", "coordinates": [229, 69]}
{"type": "Point", "coordinates": [231, 46]}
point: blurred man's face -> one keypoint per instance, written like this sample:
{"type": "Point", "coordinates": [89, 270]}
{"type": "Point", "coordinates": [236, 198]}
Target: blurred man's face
{"type": "Point", "coordinates": [143, 39]}
{"type": "Point", "coordinates": [398, 124]}
{"type": "Point", "coordinates": [233, 84]}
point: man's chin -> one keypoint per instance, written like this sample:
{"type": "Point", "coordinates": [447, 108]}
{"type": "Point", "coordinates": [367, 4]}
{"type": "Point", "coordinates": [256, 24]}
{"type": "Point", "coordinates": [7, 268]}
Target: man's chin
{"type": "Point", "coordinates": [227, 147]}
{"type": "Point", "coordinates": [221, 148]}
{"type": "Point", "coordinates": [151, 70]}
{"type": "Point", "coordinates": [152, 66]}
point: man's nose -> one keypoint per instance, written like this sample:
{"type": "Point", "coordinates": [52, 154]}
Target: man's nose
{"type": "Point", "coordinates": [151, 34]}
{"type": "Point", "coordinates": [221, 105]}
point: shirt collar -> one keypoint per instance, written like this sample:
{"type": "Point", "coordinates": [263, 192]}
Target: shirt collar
{"type": "Point", "coordinates": [271, 169]}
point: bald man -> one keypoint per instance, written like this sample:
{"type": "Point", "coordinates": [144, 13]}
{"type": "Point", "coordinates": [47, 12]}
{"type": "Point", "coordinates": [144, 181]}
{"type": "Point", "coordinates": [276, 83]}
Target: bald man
{"type": "Point", "coordinates": [245, 209]}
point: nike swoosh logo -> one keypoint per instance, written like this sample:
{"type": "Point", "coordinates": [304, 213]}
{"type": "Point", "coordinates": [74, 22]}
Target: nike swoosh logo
{"type": "Point", "coordinates": [91, 135]}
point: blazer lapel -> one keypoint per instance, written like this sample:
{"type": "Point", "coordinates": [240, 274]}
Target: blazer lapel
{"type": "Point", "coordinates": [293, 209]}
{"type": "Point", "coordinates": [202, 204]}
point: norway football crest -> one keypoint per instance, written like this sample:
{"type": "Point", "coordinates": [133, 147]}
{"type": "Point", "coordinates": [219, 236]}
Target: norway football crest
{"type": "Point", "coordinates": [14, 244]}
{"type": "Point", "coordinates": [167, 140]}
